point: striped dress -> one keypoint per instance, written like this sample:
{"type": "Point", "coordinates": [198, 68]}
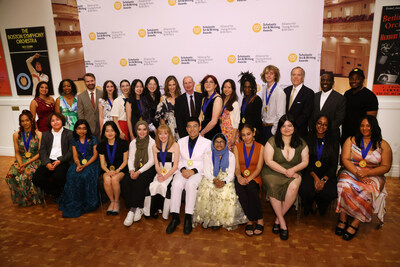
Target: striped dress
{"type": "Point", "coordinates": [356, 198]}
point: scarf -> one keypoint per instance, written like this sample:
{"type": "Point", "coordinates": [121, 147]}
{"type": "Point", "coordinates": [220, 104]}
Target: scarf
{"type": "Point", "coordinates": [141, 155]}
{"type": "Point", "coordinates": [223, 163]}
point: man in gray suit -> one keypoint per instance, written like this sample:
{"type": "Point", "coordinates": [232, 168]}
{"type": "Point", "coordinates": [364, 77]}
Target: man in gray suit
{"type": "Point", "coordinates": [330, 103]}
{"type": "Point", "coordinates": [88, 104]}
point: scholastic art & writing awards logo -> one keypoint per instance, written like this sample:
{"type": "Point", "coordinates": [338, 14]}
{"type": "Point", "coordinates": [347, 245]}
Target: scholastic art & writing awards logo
{"type": "Point", "coordinates": [92, 36]}
{"type": "Point", "coordinates": [175, 60]}
{"type": "Point", "coordinates": [197, 30]}
{"type": "Point", "coordinates": [231, 59]}
{"type": "Point", "coordinates": [292, 57]}
{"type": "Point", "coordinates": [142, 33]}
{"type": "Point", "coordinates": [172, 2]}
{"type": "Point", "coordinates": [117, 5]}
{"type": "Point", "coordinates": [257, 27]}
{"type": "Point", "coordinates": [123, 62]}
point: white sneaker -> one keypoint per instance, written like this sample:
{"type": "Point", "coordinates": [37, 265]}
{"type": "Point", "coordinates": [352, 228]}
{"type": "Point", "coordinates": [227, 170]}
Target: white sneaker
{"type": "Point", "coordinates": [138, 215]}
{"type": "Point", "coordinates": [129, 219]}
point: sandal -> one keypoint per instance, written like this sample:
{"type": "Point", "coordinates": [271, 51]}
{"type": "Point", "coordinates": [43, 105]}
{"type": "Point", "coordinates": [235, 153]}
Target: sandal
{"type": "Point", "coordinates": [347, 236]}
{"type": "Point", "coordinates": [275, 228]}
{"type": "Point", "coordinates": [284, 234]}
{"type": "Point", "coordinates": [340, 231]}
{"type": "Point", "coordinates": [260, 228]}
{"type": "Point", "coordinates": [249, 230]}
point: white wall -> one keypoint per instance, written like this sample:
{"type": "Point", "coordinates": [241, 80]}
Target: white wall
{"type": "Point", "coordinates": [39, 13]}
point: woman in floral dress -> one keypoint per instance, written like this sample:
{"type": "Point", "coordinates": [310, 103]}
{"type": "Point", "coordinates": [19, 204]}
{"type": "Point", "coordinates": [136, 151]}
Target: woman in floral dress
{"type": "Point", "coordinates": [230, 117]}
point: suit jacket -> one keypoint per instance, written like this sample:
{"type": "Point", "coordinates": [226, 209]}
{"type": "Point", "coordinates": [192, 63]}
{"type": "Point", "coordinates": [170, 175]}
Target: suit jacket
{"type": "Point", "coordinates": [47, 143]}
{"type": "Point", "coordinates": [182, 111]}
{"type": "Point", "coordinates": [88, 113]}
{"type": "Point", "coordinates": [202, 146]}
{"type": "Point", "coordinates": [302, 107]}
{"type": "Point", "coordinates": [334, 107]}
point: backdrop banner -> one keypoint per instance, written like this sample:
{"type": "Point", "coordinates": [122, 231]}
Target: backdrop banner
{"type": "Point", "coordinates": [139, 38]}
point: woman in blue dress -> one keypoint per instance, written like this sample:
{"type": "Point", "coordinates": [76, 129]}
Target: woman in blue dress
{"type": "Point", "coordinates": [80, 190]}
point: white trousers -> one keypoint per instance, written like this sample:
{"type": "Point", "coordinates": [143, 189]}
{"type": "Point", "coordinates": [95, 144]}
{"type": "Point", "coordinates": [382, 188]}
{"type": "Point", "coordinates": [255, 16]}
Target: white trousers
{"type": "Point", "coordinates": [190, 185]}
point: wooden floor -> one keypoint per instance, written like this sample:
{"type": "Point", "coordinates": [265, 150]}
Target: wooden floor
{"type": "Point", "coordinates": [39, 236]}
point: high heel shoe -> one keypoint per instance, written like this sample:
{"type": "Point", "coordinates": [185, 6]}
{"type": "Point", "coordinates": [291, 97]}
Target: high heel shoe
{"type": "Point", "coordinates": [115, 212]}
{"type": "Point", "coordinates": [110, 211]}
{"type": "Point", "coordinates": [347, 236]}
{"type": "Point", "coordinates": [340, 231]}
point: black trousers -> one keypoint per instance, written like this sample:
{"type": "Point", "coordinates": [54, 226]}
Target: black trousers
{"type": "Point", "coordinates": [322, 198]}
{"type": "Point", "coordinates": [134, 191]}
{"type": "Point", "coordinates": [249, 198]}
{"type": "Point", "coordinates": [52, 182]}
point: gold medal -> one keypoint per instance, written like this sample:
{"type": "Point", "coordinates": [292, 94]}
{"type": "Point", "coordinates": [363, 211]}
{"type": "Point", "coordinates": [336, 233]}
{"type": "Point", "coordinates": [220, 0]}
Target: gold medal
{"type": "Point", "coordinates": [318, 164]}
{"type": "Point", "coordinates": [243, 120]}
{"type": "Point", "coordinates": [28, 154]}
{"type": "Point", "coordinates": [246, 172]}
{"type": "Point", "coordinates": [190, 162]}
{"type": "Point", "coordinates": [164, 171]}
{"type": "Point", "coordinates": [140, 164]}
{"type": "Point", "coordinates": [112, 168]}
{"type": "Point", "coordinates": [84, 161]}
{"type": "Point", "coordinates": [362, 164]}
{"type": "Point", "coordinates": [266, 108]}
{"type": "Point", "coordinates": [202, 118]}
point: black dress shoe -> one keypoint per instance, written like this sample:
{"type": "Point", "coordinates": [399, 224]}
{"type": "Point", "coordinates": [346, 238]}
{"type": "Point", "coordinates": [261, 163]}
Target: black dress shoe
{"type": "Point", "coordinates": [340, 231]}
{"type": "Point", "coordinates": [347, 236]}
{"type": "Point", "coordinates": [173, 224]}
{"type": "Point", "coordinates": [187, 227]}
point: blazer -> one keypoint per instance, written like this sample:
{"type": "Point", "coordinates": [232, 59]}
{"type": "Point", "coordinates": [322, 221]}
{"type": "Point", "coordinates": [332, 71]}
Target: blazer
{"type": "Point", "coordinates": [334, 107]}
{"type": "Point", "coordinates": [302, 107]}
{"type": "Point", "coordinates": [88, 113]}
{"type": "Point", "coordinates": [202, 146]}
{"type": "Point", "coordinates": [47, 143]}
{"type": "Point", "coordinates": [182, 111]}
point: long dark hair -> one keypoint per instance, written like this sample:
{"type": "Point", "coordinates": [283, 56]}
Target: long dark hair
{"type": "Point", "coordinates": [295, 141]}
{"type": "Point", "coordinates": [248, 77]}
{"type": "Point", "coordinates": [88, 131]}
{"type": "Point", "coordinates": [157, 94]}
{"type": "Point", "coordinates": [233, 97]}
{"type": "Point", "coordinates": [74, 91]}
{"type": "Point", "coordinates": [115, 92]}
{"type": "Point", "coordinates": [329, 143]}
{"type": "Point", "coordinates": [37, 93]}
{"type": "Point", "coordinates": [115, 128]}
{"type": "Point", "coordinates": [27, 113]}
{"type": "Point", "coordinates": [376, 133]}
{"type": "Point", "coordinates": [132, 97]}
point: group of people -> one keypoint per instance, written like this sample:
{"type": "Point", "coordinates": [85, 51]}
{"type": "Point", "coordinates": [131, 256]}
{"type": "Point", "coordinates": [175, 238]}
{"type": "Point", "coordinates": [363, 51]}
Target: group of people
{"type": "Point", "coordinates": [185, 147]}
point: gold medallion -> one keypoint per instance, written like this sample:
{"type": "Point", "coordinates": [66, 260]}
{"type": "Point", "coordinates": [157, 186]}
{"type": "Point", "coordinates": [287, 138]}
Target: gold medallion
{"type": "Point", "coordinates": [266, 108]}
{"type": "Point", "coordinates": [28, 154]}
{"type": "Point", "coordinates": [164, 171]}
{"type": "Point", "coordinates": [362, 164]}
{"type": "Point", "coordinates": [246, 172]}
{"type": "Point", "coordinates": [140, 164]}
{"type": "Point", "coordinates": [112, 168]}
{"type": "Point", "coordinates": [243, 120]}
{"type": "Point", "coordinates": [84, 161]}
{"type": "Point", "coordinates": [202, 118]}
{"type": "Point", "coordinates": [318, 164]}
{"type": "Point", "coordinates": [190, 162]}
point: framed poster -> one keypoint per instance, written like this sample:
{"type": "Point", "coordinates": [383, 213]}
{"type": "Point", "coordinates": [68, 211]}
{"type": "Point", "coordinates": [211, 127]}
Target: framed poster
{"type": "Point", "coordinates": [4, 83]}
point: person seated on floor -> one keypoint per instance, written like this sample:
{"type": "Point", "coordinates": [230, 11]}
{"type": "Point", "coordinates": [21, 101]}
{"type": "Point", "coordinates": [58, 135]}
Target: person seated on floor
{"type": "Point", "coordinates": [56, 156]}
{"type": "Point", "coordinates": [191, 150]}
{"type": "Point", "coordinates": [166, 158]}
{"type": "Point", "coordinates": [285, 155]}
{"type": "Point", "coordinates": [141, 172]}
{"type": "Point", "coordinates": [249, 161]}
{"type": "Point", "coordinates": [366, 157]}
{"type": "Point", "coordinates": [319, 178]}
{"type": "Point", "coordinates": [26, 148]}
{"type": "Point", "coordinates": [217, 203]}
{"type": "Point", "coordinates": [113, 153]}
{"type": "Point", "coordinates": [80, 190]}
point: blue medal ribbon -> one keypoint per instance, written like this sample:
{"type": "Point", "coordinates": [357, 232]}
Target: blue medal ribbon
{"type": "Point", "coordinates": [248, 159]}
{"type": "Point", "coordinates": [191, 148]}
{"type": "Point", "coordinates": [320, 148]}
{"type": "Point", "coordinates": [26, 143]}
{"type": "Point", "coordinates": [207, 101]}
{"type": "Point", "coordinates": [140, 109]}
{"type": "Point", "coordinates": [111, 156]}
{"type": "Point", "coordinates": [364, 151]}
{"type": "Point", "coordinates": [109, 102]}
{"type": "Point", "coordinates": [267, 97]}
{"type": "Point", "coordinates": [223, 109]}
{"type": "Point", "coordinates": [245, 102]}
{"type": "Point", "coordinates": [82, 148]}
{"type": "Point", "coordinates": [163, 154]}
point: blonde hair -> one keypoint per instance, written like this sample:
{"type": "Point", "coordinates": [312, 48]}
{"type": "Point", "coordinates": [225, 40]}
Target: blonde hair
{"type": "Point", "coordinates": [274, 69]}
{"type": "Point", "coordinates": [171, 139]}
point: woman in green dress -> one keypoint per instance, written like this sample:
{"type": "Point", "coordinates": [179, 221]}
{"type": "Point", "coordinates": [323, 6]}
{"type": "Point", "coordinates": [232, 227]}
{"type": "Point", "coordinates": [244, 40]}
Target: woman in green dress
{"type": "Point", "coordinates": [67, 103]}
{"type": "Point", "coordinates": [26, 146]}
{"type": "Point", "coordinates": [285, 154]}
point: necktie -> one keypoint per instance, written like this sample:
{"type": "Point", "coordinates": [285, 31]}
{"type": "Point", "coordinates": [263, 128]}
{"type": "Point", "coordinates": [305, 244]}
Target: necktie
{"type": "Point", "coordinates": [92, 99]}
{"type": "Point", "coordinates": [192, 109]}
{"type": "Point", "coordinates": [291, 98]}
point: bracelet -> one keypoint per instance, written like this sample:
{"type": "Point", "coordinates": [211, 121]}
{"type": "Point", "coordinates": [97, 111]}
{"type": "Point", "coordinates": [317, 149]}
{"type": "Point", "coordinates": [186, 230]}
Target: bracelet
{"type": "Point", "coordinates": [324, 180]}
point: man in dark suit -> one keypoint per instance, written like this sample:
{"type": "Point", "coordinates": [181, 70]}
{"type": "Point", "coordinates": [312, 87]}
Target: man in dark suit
{"type": "Point", "coordinates": [330, 103]}
{"type": "Point", "coordinates": [299, 100]}
{"type": "Point", "coordinates": [88, 104]}
{"type": "Point", "coordinates": [56, 155]}
{"type": "Point", "coordinates": [187, 105]}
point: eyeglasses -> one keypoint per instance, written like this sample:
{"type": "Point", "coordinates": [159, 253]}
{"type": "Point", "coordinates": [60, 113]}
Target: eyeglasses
{"type": "Point", "coordinates": [210, 82]}
{"type": "Point", "coordinates": [222, 142]}
{"type": "Point", "coordinates": [322, 124]}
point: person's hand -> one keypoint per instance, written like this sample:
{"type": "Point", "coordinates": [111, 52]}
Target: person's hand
{"type": "Point", "coordinates": [122, 135]}
{"type": "Point", "coordinates": [37, 55]}
{"type": "Point", "coordinates": [320, 185]}
{"type": "Point", "coordinates": [50, 166]}
{"type": "Point", "coordinates": [134, 175]}
{"type": "Point", "coordinates": [56, 163]}
{"type": "Point", "coordinates": [112, 173]}
{"type": "Point", "coordinates": [362, 174]}
{"type": "Point", "coordinates": [21, 167]}
{"type": "Point", "coordinates": [290, 173]}
{"type": "Point", "coordinates": [187, 173]}
{"type": "Point", "coordinates": [79, 168]}
{"type": "Point", "coordinates": [218, 183]}
{"type": "Point", "coordinates": [160, 178]}
{"type": "Point", "coordinates": [242, 180]}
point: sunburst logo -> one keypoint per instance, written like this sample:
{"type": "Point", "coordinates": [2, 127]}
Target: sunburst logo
{"type": "Point", "coordinates": [123, 62]}
{"type": "Point", "coordinates": [117, 5]}
{"type": "Point", "coordinates": [197, 30]}
{"type": "Point", "coordinates": [231, 59]}
{"type": "Point", "coordinates": [172, 2]}
{"type": "Point", "coordinates": [256, 27]}
{"type": "Point", "coordinates": [175, 60]}
{"type": "Point", "coordinates": [231, 1]}
{"type": "Point", "coordinates": [92, 36]}
{"type": "Point", "coordinates": [292, 57]}
{"type": "Point", "coordinates": [142, 33]}
{"type": "Point", "coordinates": [198, 88]}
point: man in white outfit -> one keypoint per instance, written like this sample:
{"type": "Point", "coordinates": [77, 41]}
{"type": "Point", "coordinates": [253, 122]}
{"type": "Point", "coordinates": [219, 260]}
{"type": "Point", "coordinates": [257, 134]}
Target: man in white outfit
{"type": "Point", "coordinates": [192, 150]}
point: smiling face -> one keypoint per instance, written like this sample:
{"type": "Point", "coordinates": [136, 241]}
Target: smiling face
{"type": "Point", "coordinates": [247, 135]}
{"type": "Point", "coordinates": [90, 82]}
{"type": "Point", "coordinates": [171, 86]}
{"type": "Point", "coordinates": [365, 128]}
{"type": "Point", "coordinates": [109, 133]}
{"type": "Point", "coordinates": [326, 82]}
{"type": "Point", "coordinates": [163, 136]}
{"type": "Point", "coordinates": [247, 90]}
{"type": "Point", "coordinates": [66, 87]}
{"type": "Point", "coordinates": [56, 123]}
{"type": "Point", "coordinates": [188, 84]}
{"type": "Point", "coordinates": [269, 76]}
{"type": "Point", "coordinates": [219, 143]}
{"type": "Point", "coordinates": [110, 88]}
{"type": "Point", "coordinates": [356, 81]}
{"type": "Point", "coordinates": [81, 130]}
{"type": "Point", "coordinates": [125, 88]}
{"type": "Point", "coordinates": [210, 85]}
{"type": "Point", "coordinates": [43, 89]}
{"type": "Point", "coordinates": [321, 126]}
{"type": "Point", "coordinates": [142, 131]}
{"type": "Point", "coordinates": [287, 129]}
{"type": "Point", "coordinates": [38, 66]}
{"type": "Point", "coordinates": [227, 89]}
{"type": "Point", "coordinates": [193, 129]}
{"type": "Point", "coordinates": [152, 86]}
{"type": "Point", "coordinates": [25, 122]}
{"type": "Point", "coordinates": [297, 77]}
